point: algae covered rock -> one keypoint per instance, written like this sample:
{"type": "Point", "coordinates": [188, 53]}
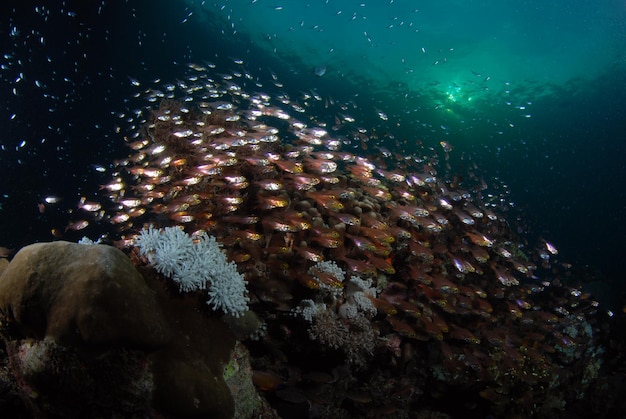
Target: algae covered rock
{"type": "Point", "coordinates": [54, 380]}
{"type": "Point", "coordinates": [81, 294]}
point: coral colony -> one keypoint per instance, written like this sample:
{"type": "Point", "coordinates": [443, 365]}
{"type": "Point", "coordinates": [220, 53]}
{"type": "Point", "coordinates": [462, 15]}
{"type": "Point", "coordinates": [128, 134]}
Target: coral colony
{"type": "Point", "coordinates": [195, 266]}
{"type": "Point", "coordinates": [357, 266]}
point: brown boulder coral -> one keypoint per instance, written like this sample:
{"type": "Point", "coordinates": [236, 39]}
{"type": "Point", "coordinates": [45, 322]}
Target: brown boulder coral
{"type": "Point", "coordinates": [81, 294]}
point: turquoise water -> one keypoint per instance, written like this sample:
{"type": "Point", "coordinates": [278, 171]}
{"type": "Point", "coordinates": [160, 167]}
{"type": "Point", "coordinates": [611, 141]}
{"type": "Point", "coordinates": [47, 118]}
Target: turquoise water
{"type": "Point", "coordinates": [532, 92]}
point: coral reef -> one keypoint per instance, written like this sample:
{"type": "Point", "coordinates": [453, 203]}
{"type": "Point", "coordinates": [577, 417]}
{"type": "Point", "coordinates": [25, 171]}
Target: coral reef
{"type": "Point", "coordinates": [194, 266]}
{"type": "Point", "coordinates": [378, 285]}
{"type": "Point", "coordinates": [84, 334]}
{"type": "Point", "coordinates": [441, 291]}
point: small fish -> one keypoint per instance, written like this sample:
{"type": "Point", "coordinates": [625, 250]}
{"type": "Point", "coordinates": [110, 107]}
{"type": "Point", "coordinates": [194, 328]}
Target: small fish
{"type": "Point", "coordinates": [551, 248]}
{"type": "Point", "coordinates": [77, 225]}
{"type": "Point", "coordinates": [319, 71]}
{"type": "Point", "coordinates": [446, 146]}
{"type": "Point", "coordinates": [479, 239]}
{"type": "Point", "coordinates": [266, 380]}
{"type": "Point", "coordinates": [5, 252]}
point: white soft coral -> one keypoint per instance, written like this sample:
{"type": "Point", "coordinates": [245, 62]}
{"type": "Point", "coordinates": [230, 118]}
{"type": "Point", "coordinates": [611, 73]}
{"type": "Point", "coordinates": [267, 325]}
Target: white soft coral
{"type": "Point", "coordinates": [195, 266]}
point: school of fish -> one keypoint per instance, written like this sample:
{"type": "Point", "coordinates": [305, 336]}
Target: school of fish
{"type": "Point", "coordinates": [461, 301]}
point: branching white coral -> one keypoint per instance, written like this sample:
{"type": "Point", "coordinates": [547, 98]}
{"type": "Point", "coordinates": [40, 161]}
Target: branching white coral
{"type": "Point", "coordinates": [195, 266]}
{"type": "Point", "coordinates": [331, 268]}
{"type": "Point", "coordinates": [86, 240]}
{"type": "Point", "coordinates": [339, 316]}
{"type": "Point", "coordinates": [172, 252]}
{"type": "Point", "coordinates": [308, 309]}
